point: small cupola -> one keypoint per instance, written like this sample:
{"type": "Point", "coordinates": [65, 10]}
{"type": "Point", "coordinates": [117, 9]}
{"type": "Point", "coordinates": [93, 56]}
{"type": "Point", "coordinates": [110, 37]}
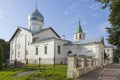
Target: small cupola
{"type": "Point", "coordinates": [35, 21]}
{"type": "Point", "coordinates": [79, 34]}
{"type": "Point", "coordinates": [79, 28]}
{"type": "Point", "coordinates": [36, 15]}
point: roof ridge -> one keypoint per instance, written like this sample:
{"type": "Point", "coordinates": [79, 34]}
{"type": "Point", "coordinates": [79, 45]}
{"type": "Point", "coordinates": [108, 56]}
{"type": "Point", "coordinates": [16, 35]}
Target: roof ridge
{"type": "Point", "coordinates": [47, 29]}
{"type": "Point", "coordinates": [91, 40]}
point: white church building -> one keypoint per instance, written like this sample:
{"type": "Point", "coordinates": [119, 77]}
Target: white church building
{"type": "Point", "coordinates": [38, 42]}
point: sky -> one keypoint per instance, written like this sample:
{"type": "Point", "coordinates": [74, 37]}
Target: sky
{"type": "Point", "coordinates": [62, 15]}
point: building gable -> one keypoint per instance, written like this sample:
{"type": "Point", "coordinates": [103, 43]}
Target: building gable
{"type": "Point", "coordinates": [19, 28]}
{"type": "Point", "coordinates": [14, 34]}
{"type": "Point", "coordinates": [45, 34]}
{"type": "Point", "coordinates": [44, 30]}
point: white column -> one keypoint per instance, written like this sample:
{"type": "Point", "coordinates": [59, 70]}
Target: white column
{"type": "Point", "coordinates": [82, 62]}
{"type": "Point", "coordinates": [71, 66]}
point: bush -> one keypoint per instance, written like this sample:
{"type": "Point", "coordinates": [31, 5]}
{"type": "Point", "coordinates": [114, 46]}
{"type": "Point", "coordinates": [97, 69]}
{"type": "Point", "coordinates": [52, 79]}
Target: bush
{"type": "Point", "coordinates": [1, 57]}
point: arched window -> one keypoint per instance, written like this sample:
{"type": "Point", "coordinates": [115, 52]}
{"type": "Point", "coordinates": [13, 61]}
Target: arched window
{"type": "Point", "coordinates": [76, 36]}
{"type": "Point", "coordinates": [36, 50]}
{"type": "Point", "coordinates": [80, 36]}
{"type": "Point", "coordinates": [45, 49]}
{"type": "Point", "coordinates": [59, 49]}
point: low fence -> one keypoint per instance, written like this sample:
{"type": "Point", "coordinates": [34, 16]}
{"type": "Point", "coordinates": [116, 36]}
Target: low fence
{"type": "Point", "coordinates": [45, 63]}
{"type": "Point", "coordinates": [80, 65]}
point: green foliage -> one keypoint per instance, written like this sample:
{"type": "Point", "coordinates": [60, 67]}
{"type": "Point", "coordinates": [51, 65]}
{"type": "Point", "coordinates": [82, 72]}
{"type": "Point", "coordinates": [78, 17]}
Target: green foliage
{"type": "Point", "coordinates": [114, 30]}
{"type": "Point", "coordinates": [105, 3]}
{"type": "Point", "coordinates": [8, 73]}
{"type": "Point", "coordinates": [1, 57]}
{"type": "Point", "coordinates": [116, 54]}
{"type": "Point", "coordinates": [58, 73]}
{"type": "Point", "coordinates": [114, 17]}
{"type": "Point", "coordinates": [114, 35]}
{"type": "Point", "coordinates": [6, 49]}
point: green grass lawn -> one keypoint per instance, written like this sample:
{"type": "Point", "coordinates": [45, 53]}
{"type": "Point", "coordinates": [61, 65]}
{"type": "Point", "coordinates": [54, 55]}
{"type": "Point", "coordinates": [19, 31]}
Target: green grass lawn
{"type": "Point", "coordinates": [49, 73]}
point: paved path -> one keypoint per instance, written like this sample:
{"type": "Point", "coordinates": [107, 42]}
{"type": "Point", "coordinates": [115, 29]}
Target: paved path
{"type": "Point", "coordinates": [111, 72]}
{"type": "Point", "coordinates": [25, 73]}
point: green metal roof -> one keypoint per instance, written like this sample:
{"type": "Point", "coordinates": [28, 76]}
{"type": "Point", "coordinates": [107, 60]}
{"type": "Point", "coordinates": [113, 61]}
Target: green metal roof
{"type": "Point", "coordinates": [79, 29]}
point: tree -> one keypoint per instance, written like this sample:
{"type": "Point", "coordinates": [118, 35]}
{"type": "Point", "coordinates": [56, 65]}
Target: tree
{"type": "Point", "coordinates": [116, 55]}
{"type": "Point", "coordinates": [1, 57]}
{"type": "Point", "coordinates": [114, 29]}
{"type": "Point", "coordinates": [105, 3]}
{"type": "Point", "coordinates": [6, 50]}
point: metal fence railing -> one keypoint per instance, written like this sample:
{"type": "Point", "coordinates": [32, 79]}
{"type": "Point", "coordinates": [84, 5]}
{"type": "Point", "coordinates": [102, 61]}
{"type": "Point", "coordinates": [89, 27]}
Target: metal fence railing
{"type": "Point", "coordinates": [37, 63]}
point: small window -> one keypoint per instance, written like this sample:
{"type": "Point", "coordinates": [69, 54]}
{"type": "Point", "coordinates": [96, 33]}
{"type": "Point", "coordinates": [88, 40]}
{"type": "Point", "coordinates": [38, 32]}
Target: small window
{"type": "Point", "coordinates": [28, 43]}
{"type": "Point", "coordinates": [59, 49]}
{"type": "Point", "coordinates": [76, 36]}
{"type": "Point", "coordinates": [107, 50]}
{"type": "Point", "coordinates": [18, 54]}
{"type": "Point", "coordinates": [36, 50]}
{"type": "Point", "coordinates": [84, 36]}
{"type": "Point", "coordinates": [45, 49]}
{"type": "Point", "coordinates": [80, 36]}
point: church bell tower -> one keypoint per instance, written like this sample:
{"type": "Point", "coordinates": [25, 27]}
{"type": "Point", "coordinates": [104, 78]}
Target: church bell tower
{"type": "Point", "coordinates": [35, 21]}
{"type": "Point", "coordinates": [79, 35]}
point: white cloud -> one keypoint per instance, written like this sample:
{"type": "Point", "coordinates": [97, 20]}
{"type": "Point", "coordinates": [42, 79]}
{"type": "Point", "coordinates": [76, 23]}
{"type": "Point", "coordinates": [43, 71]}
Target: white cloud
{"type": "Point", "coordinates": [94, 14]}
{"type": "Point", "coordinates": [74, 7]}
{"type": "Point", "coordinates": [86, 31]}
{"type": "Point", "coordinates": [74, 12]}
{"type": "Point", "coordinates": [94, 6]}
{"type": "Point", "coordinates": [102, 26]}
